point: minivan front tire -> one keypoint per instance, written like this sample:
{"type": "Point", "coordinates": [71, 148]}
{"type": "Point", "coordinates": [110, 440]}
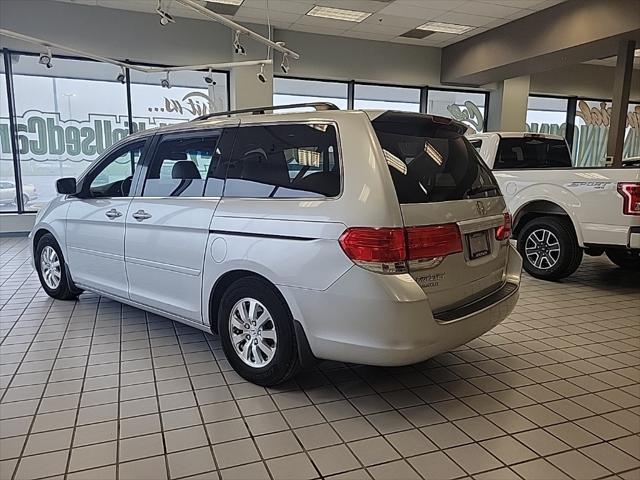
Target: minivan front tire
{"type": "Point", "coordinates": [52, 270]}
{"type": "Point", "coordinates": [257, 333]}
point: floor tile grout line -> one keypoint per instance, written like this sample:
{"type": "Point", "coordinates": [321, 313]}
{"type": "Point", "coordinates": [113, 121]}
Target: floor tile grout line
{"type": "Point", "coordinates": [42, 394]}
{"type": "Point", "coordinates": [84, 378]}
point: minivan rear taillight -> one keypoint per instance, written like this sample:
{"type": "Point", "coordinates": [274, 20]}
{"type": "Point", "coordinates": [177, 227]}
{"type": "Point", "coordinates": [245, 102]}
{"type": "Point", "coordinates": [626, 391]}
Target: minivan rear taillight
{"type": "Point", "coordinates": [387, 250]}
{"type": "Point", "coordinates": [631, 197]}
{"type": "Point", "coordinates": [433, 241]}
{"type": "Point", "coordinates": [503, 232]}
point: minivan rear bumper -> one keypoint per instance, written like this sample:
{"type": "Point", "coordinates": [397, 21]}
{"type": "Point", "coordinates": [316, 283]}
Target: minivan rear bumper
{"type": "Point", "coordinates": [387, 320]}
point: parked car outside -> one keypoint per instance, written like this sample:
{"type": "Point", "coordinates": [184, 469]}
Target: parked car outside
{"type": "Point", "coordinates": [373, 237]}
{"type": "Point", "coordinates": [8, 193]}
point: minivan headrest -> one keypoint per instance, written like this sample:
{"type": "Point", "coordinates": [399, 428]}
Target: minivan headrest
{"type": "Point", "coordinates": [185, 169]}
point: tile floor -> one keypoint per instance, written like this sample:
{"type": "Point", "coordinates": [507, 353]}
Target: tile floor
{"type": "Point", "coordinates": [97, 390]}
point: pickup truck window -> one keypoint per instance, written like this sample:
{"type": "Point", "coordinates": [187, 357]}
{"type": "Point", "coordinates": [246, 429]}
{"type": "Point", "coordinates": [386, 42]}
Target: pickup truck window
{"type": "Point", "coordinates": [431, 161]}
{"type": "Point", "coordinates": [523, 153]}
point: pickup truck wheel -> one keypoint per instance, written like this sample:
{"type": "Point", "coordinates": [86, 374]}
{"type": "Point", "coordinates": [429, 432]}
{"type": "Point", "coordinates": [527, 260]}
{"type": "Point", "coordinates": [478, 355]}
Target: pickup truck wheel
{"type": "Point", "coordinates": [628, 259]}
{"type": "Point", "coordinates": [549, 248]}
{"type": "Point", "coordinates": [257, 333]}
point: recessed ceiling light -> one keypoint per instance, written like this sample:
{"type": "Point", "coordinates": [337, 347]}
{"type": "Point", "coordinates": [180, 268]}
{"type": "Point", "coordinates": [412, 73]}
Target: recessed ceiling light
{"type": "Point", "coordinates": [338, 14]}
{"type": "Point", "coordinates": [446, 27]}
{"type": "Point", "coordinates": [226, 2]}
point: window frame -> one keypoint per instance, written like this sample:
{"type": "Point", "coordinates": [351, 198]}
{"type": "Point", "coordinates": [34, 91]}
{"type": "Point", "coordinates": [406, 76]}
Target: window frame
{"type": "Point", "coordinates": [7, 53]}
{"type": "Point", "coordinates": [84, 181]}
{"type": "Point", "coordinates": [339, 157]}
{"type": "Point", "coordinates": [180, 134]}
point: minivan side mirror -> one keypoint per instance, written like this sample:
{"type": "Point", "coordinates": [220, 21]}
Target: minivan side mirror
{"type": "Point", "coordinates": [66, 186]}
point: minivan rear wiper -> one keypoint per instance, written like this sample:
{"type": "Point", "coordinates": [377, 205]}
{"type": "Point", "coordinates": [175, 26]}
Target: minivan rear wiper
{"type": "Point", "coordinates": [481, 189]}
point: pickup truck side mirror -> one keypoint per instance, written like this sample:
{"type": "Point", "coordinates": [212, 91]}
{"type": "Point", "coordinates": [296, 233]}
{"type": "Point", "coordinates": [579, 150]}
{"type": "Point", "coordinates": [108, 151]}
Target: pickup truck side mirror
{"type": "Point", "coordinates": [66, 186]}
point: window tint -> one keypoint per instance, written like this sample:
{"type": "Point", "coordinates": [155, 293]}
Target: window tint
{"type": "Point", "coordinates": [431, 162]}
{"type": "Point", "coordinates": [280, 161]}
{"type": "Point", "coordinates": [516, 153]}
{"type": "Point", "coordinates": [180, 165]}
{"type": "Point", "coordinates": [114, 175]}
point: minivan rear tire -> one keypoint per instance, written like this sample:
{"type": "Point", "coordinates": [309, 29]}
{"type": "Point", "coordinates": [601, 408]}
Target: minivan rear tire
{"type": "Point", "coordinates": [569, 256]}
{"type": "Point", "coordinates": [285, 362]}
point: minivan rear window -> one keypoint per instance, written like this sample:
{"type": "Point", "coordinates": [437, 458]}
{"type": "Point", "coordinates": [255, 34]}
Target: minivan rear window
{"type": "Point", "coordinates": [431, 161]}
{"type": "Point", "coordinates": [531, 152]}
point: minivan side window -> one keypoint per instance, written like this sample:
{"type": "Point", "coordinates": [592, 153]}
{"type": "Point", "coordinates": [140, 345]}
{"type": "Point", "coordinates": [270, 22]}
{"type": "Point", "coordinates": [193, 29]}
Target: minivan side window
{"type": "Point", "coordinates": [284, 161]}
{"type": "Point", "coordinates": [113, 176]}
{"type": "Point", "coordinates": [180, 164]}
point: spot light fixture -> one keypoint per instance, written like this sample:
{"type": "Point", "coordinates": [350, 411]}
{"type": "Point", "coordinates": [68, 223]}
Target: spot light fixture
{"type": "Point", "coordinates": [261, 75]}
{"type": "Point", "coordinates": [121, 76]}
{"type": "Point", "coordinates": [165, 18]}
{"type": "Point", "coordinates": [164, 83]}
{"type": "Point", "coordinates": [45, 58]}
{"type": "Point", "coordinates": [284, 66]}
{"type": "Point", "coordinates": [238, 48]}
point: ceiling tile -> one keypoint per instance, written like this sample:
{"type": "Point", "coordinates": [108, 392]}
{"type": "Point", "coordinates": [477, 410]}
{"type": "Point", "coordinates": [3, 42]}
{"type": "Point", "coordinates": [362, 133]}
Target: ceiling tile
{"type": "Point", "coordinates": [324, 22]}
{"type": "Point", "coordinates": [393, 21]}
{"type": "Point", "coordinates": [486, 9]}
{"type": "Point", "coordinates": [464, 19]}
{"type": "Point", "coordinates": [261, 15]}
{"type": "Point", "coordinates": [512, 3]}
{"type": "Point", "coordinates": [316, 29]}
{"type": "Point", "coordinates": [444, 5]}
{"type": "Point", "coordinates": [379, 28]}
{"type": "Point", "coordinates": [359, 5]}
{"type": "Point", "coordinates": [369, 36]}
{"type": "Point", "coordinates": [410, 11]}
{"type": "Point", "coordinates": [289, 6]}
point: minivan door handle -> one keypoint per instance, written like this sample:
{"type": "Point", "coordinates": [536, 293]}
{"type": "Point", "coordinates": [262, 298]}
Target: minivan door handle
{"type": "Point", "coordinates": [113, 214]}
{"type": "Point", "coordinates": [141, 215]}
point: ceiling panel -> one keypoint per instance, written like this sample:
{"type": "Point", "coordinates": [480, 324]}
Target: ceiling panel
{"type": "Point", "coordinates": [388, 20]}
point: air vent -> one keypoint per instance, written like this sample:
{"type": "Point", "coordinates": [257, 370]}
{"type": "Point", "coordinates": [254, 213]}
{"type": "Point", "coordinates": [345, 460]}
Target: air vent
{"type": "Point", "coordinates": [222, 8]}
{"type": "Point", "coordinates": [416, 33]}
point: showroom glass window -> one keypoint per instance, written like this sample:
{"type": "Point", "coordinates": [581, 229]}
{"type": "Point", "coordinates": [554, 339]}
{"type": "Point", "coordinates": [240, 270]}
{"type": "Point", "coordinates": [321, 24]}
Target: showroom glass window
{"type": "Point", "coordinates": [7, 174]}
{"type": "Point", "coordinates": [292, 90]}
{"type": "Point", "coordinates": [592, 129]}
{"type": "Point", "coordinates": [467, 107]}
{"type": "Point", "coordinates": [67, 115]}
{"type": "Point", "coordinates": [189, 96]}
{"type": "Point", "coordinates": [386, 98]}
{"type": "Point", "coordinates": [547, 115]}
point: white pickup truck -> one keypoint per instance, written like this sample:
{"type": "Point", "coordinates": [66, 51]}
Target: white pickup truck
{"type": "Point", "coordinates": [560, 212]}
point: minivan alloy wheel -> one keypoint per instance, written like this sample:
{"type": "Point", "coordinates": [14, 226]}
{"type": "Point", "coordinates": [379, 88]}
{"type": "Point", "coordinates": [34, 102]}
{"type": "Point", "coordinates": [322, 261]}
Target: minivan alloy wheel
{"type": "Point", "coordinates": [542, 249]}
{"type": "Point", "coordinates": [50, 267]}
{"type": "Point", "coordinates": [253, 332]}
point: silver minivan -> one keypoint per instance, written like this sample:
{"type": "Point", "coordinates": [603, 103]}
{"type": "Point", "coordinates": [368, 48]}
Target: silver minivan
{"type": "Point", "coordinates": [373, 237]}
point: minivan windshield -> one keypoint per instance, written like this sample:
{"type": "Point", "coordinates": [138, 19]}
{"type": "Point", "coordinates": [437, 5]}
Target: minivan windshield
{"type": "Point", "coordinates": [431, 161]}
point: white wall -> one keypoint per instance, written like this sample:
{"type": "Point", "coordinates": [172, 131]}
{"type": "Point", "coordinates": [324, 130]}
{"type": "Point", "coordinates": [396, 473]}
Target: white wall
{"type": "Point", "coordinates": [582, 80]}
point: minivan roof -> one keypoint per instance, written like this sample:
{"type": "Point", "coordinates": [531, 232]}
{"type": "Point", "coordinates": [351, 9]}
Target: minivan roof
{"type": "Point", "coordinates": [321, 115]}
